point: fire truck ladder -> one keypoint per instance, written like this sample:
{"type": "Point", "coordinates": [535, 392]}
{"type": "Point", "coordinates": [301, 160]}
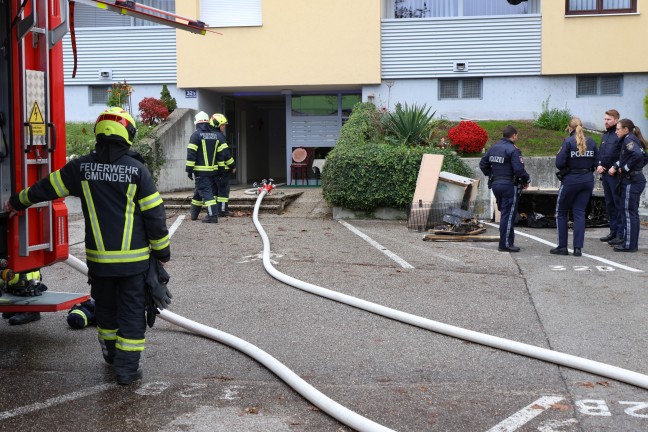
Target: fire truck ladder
{"type": "Point", "coordinates": [40, 133]}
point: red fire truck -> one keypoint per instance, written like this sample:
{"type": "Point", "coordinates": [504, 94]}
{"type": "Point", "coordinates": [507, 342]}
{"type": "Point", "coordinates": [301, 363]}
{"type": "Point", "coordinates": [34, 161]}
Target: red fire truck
{"type": "Point", "coordinates": [32, 134]}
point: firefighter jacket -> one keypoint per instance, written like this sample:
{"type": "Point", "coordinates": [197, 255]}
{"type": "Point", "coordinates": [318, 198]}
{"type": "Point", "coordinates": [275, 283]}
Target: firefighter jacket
{"type": "Point", "coordinates": [201, 151]}
{"type": "Point", "coordinates": [124, 214]}
{"type": "Point", "coordinates": [225, 159]}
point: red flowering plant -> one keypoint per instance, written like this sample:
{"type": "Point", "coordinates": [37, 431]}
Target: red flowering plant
{"type": "Point", "coordinates": [153, 111]}
{"type": "Point", "coordinates": [468, 137]}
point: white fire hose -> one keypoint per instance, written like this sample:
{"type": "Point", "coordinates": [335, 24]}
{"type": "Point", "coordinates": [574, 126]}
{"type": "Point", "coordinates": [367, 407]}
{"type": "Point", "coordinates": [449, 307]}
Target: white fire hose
{"type": "Point", "coordinates": [602, 369]}
{"type": "Point", "coordinates": [310, 393]}
{"type": "Point", "coordinates": [334, 409]}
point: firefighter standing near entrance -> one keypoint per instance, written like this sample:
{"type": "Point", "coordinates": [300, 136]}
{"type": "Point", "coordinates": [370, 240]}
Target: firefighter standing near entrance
{"type": "Point", "coordinates": [125, 223]}
{"type": "Point", "coordinates": [202, 164]}
{"type": "Point", "coordinates": [226, 164]}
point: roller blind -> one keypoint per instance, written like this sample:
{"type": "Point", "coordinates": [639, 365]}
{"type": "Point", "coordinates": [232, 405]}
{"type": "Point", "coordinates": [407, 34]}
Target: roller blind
{"type": "Point", "coordinates": [227, 13]}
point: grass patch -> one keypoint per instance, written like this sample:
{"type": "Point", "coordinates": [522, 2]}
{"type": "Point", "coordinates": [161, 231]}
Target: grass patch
{"type": "Point", "coordinates": [79, 137]}
{"type": "Point", "coordinates": [532, 140]}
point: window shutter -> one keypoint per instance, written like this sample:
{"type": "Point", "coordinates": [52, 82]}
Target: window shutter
{"type": "Point", "coordinates": [226, 13]}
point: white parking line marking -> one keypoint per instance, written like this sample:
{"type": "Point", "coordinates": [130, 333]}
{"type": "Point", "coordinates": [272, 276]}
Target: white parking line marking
{"type": "Point", "coordinates": [55, 401]}
{"type": "Point", "coordinates": [526, 414]}
{"type": "Point", "coordinates": [175, 225]}
{"type": "Point", "coordinates": [378, 246]}
{"type": "Point", "coordinates": [594, 257]}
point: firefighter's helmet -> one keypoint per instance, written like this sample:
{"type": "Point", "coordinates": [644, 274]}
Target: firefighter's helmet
{"type": "Point", "coordinates": [201, 117]}
{"type": "Point", "coordinates": [115, 122]}
{"type": "Point", "coordinates": [217, 120]}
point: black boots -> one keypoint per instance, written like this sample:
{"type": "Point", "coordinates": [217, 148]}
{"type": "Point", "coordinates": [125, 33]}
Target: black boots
{"type": "Point", "coordinates": [195, 211]}
{"type": "Point", "coordinates": [559, 251]}
{"type": "Point", "coordinates": [608, 237]}
{"type": "Point", "coordinates": [224, 209]}
{"type": "Point", "coordinates": [21, 318]}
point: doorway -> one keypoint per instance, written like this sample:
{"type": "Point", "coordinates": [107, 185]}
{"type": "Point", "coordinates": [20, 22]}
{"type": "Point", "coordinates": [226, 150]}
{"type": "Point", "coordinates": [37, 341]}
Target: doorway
{"type": "Point", "coordinates": [257, 137]}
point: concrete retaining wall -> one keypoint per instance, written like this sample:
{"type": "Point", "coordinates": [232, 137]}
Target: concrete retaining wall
{"type": "Point", "coordinates": [173, 136]}
{"type": "Point", "coordinates": [543, 175]}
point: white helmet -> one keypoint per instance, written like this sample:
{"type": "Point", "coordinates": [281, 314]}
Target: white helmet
{"type": "Point", "coordinates": [201, 117]}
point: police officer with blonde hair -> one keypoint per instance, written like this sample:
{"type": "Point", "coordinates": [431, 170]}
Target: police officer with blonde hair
{"type": "Point", "coordinates": [576, 160]}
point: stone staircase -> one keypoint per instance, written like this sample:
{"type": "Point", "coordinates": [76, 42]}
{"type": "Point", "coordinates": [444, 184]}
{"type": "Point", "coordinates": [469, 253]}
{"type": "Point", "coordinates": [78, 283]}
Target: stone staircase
{"type": "Point", "coordinates": [239, 201]}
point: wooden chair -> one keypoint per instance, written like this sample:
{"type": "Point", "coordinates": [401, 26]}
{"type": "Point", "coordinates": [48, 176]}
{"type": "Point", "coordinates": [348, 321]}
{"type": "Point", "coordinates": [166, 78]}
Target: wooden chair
{"type": "Point", "coordinates": [299, 165]}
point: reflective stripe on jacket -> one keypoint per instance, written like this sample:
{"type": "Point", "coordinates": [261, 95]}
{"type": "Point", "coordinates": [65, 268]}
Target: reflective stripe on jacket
{"type": "Point", "coordinates": [125, 220]}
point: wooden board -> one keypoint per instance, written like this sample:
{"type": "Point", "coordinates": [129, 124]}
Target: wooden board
{"type": "Point", "coordinates": [471, 238]}
{"type": "Point", "coordinates": [456, 233]}
{"type": "Point", "coordinates": [428, 178]}
{"type": "Point", "coordinates": [47, 302]}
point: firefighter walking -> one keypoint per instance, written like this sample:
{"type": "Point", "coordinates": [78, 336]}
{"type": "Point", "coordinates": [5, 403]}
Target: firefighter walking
{"type": "Point", "coordinates": [226, 164]}
{"type": "Point", "coordinates": [202, 166]}
{"type": "Point", "coordinates": [125, 224]}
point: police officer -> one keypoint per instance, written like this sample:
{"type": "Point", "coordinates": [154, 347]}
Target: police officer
{"type": "Point", "coordinates": [577, 159]}
{"type": "Point", "coordinates": [504, 165]}
{"type": "Point", "coordinates": [608, 155]}
{"type": "Point", "coordinates": [125, 224]}
{"type": "Point", "coordinates": [629, 168]}
{"type": "Point", "coordinates": [226, 164]}
{"type": "Point", "coordinates": [202, 164]}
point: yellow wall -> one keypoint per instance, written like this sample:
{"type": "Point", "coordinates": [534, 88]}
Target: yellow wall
{"type": "Point", "coordinates": [301, 43]}
{"type": "Point", "coordinates": [588, 44]}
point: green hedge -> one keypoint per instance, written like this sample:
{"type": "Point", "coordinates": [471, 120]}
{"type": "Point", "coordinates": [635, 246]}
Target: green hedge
{"type": "Point", "coordinates": [370, 168]}
{"type": "Point", "coordinates": [370, 176]}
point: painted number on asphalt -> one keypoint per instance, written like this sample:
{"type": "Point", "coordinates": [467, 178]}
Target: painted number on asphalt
{"type": "Point", "coordinates": [590, 407]}
{"type": "Point", "coordinates": [582, 268]}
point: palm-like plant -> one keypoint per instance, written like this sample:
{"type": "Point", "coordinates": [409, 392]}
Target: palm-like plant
{"type": "Point", "coordinates": [410, 124]}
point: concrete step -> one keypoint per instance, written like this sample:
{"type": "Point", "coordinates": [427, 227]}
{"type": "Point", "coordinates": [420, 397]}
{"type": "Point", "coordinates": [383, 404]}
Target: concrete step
{"type": "Point", "coordinates": [274, 202]}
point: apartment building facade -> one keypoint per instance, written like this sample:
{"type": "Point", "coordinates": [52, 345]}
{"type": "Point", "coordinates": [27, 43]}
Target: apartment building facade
{"type": "Point", "coordinates": [112, 48]}
{"type": "Point", "coordinates": [286, 73]}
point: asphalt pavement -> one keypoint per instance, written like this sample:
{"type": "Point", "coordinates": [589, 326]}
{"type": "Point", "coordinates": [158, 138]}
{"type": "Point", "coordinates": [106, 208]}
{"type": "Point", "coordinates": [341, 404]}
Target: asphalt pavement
{"type": "Point", "coordinates": [403, 377]}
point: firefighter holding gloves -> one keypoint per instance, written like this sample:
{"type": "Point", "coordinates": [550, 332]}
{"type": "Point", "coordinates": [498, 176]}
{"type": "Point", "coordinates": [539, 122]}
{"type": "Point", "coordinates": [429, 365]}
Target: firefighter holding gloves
{"type": "Point", "coordinates": [202, 166]}
{"type": "Point", "coordinates": [125, 225]}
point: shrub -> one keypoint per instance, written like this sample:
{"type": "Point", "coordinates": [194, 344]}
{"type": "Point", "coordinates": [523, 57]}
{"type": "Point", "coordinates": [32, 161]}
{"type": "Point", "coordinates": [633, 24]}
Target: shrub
{"type": "Point", "coordinates": [81, 141]}
{"type": "Point", "coordinates": [411, 125]}
{"type": "Point", "coordinates": [376, 175]}
{"type": "Point", "coordinates": [119, 94]}
{"type": "Point", "coordinates": [365, 170]}
{"type": "Point", "coordinates": [153, 111]}
{"type": "Point", "coordinates": [169, 102]}
{"type": "Point", "coordinates": [468, 136]}
{"type": "Point", "coordinates": [554, 118]}
{"type": "Point", "coordinates": [364, 125]}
